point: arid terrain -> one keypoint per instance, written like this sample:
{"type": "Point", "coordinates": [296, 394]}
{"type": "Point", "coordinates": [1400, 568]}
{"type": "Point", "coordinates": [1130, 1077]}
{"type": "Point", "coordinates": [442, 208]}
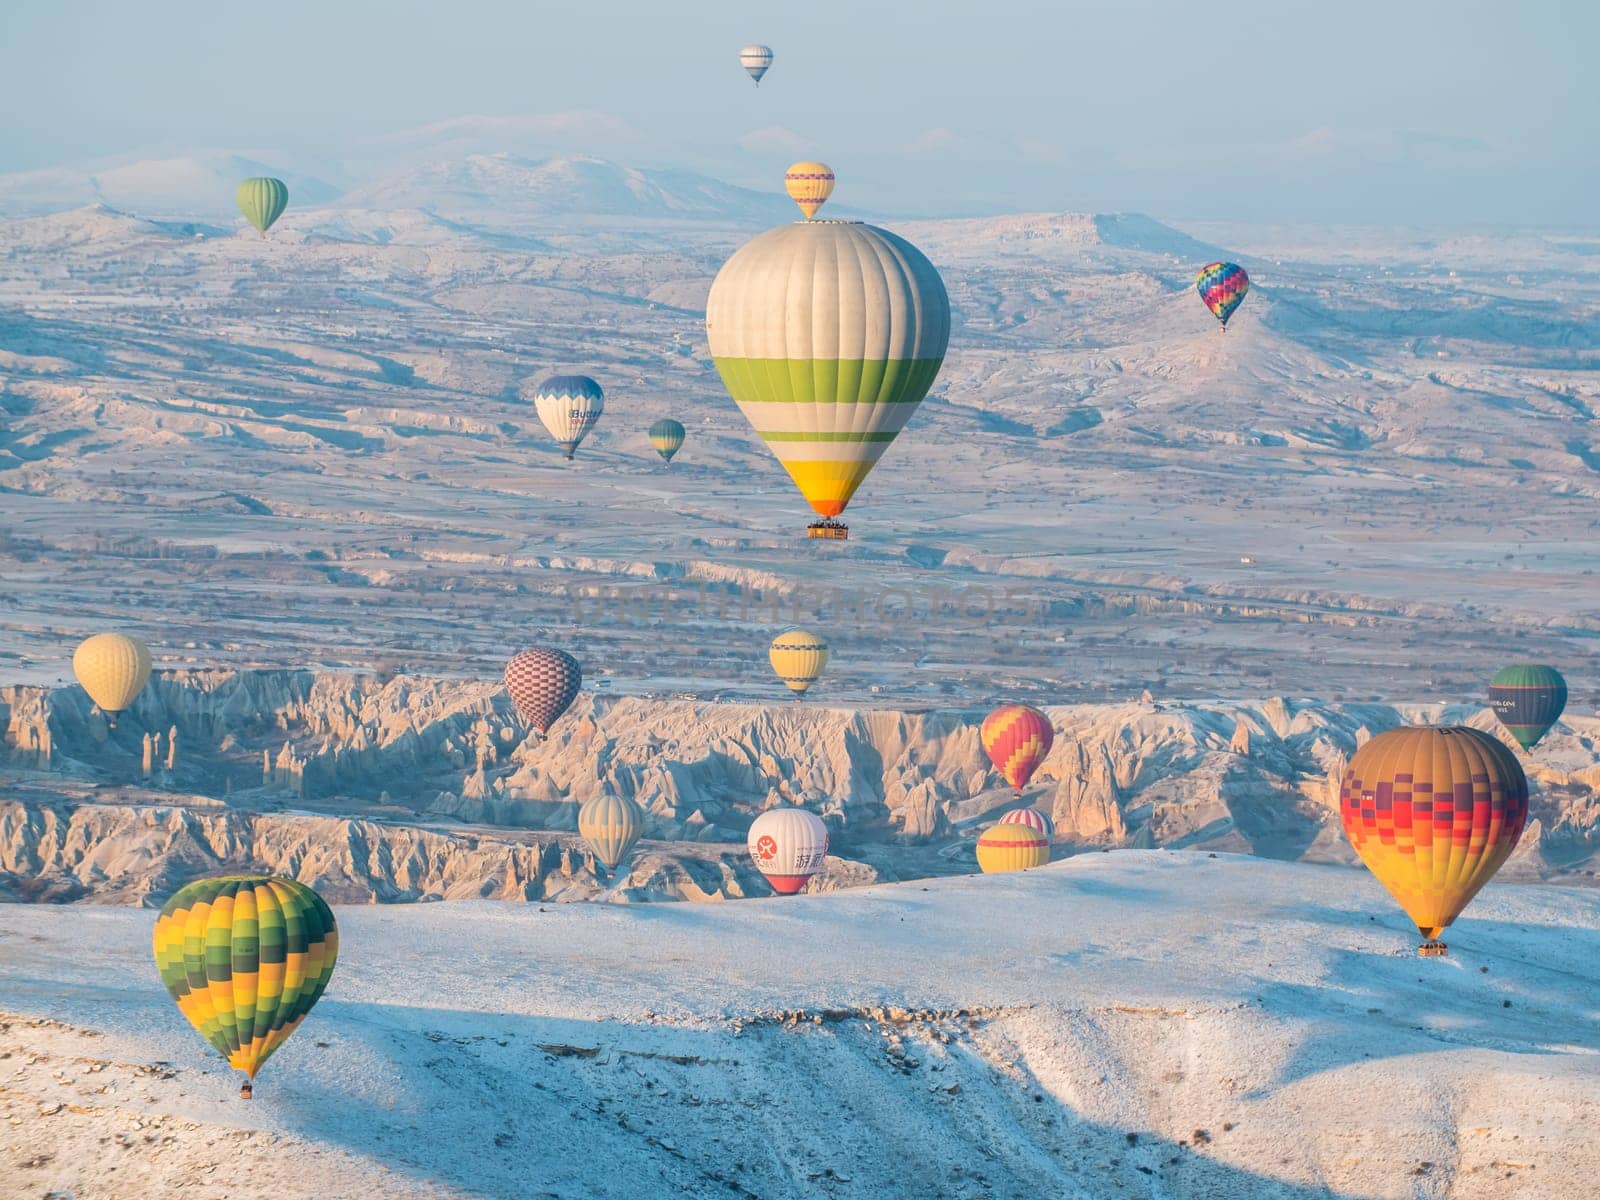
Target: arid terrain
{"type": "Point", "coordinates": [305, 470]}
{"type": "Point", "coordinates": [310, 452]}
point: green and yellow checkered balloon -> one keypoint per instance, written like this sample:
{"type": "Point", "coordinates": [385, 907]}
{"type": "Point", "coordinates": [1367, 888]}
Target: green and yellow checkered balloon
{"type": "Point", "coordinates": [245, 957]}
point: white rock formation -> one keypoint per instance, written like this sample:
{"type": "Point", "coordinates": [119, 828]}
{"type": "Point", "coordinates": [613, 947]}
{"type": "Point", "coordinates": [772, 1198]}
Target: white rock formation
{"type": "Point", "coordinates": [903, 791]}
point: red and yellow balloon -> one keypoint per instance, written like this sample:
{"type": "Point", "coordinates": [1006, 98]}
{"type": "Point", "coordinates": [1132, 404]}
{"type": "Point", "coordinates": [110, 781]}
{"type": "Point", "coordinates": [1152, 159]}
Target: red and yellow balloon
{"type": "Point", "coordinates": [1011, 847]}
{"type": "Point", "coordinates": [1433, 811]}
{"type": "Point", "coordinates": [1016, 737]}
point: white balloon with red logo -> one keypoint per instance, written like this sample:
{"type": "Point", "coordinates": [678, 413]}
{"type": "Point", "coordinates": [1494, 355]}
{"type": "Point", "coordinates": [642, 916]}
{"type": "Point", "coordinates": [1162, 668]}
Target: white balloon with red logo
{"type": "Point", "coordinates": [788, 846]}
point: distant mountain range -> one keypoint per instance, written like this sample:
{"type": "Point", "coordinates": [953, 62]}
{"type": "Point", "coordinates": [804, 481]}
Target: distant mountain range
{"type": "Point", "coordinates": [497, 189]}
{"type": "Point", "coordinates": [503, 189]}
{"type": "Point", "coordinates": [191, 186]}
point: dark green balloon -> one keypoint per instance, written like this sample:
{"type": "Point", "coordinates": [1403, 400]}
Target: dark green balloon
{"type": "Point", "coordinates": [666, 435]}
{"type": "Point", "coordinates": [1528, 698]}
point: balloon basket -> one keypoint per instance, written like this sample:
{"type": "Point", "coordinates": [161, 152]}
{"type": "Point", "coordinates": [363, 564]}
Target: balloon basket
{"type": "Point", "coordinates": [247, 1090]}
{"type": "Point", "coordinates": [1432, 948]}
{"type": "Point", "coordinates": [828, 529]}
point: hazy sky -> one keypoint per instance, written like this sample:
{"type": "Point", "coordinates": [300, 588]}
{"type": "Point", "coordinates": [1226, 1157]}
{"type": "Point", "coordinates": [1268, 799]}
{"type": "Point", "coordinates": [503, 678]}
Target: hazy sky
{"type": "Point", "coordinates": [1340, 110]}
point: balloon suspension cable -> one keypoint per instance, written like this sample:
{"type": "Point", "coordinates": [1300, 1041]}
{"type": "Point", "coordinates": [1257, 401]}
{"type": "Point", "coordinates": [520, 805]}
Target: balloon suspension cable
{"type": "Point", "coordinates": [247, 1089]}
{"type": "Point", "coordinates": [1432, 948]}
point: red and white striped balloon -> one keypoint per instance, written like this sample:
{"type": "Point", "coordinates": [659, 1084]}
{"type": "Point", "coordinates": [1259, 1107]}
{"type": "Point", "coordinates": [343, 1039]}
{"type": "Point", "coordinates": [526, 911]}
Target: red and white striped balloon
{"type": "Point", "coordinates": [543, 684]}
{"type": "Point", "coordinates": [1033, 819]}
{"type": "Point", "coordinates": [788, 846]}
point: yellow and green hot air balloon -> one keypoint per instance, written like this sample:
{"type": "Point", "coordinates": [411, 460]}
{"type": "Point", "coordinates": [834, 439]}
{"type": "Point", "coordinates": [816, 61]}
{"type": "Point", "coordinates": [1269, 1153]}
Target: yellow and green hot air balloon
{"type": "Point", "coordinates": [666, 435]}
{"type": "Point", "coordinates": [113, 668]}
{"type": "Point", "coordinates": [828, 334]}
{"type": "Point", "coordinates": [262, 201]}
{"type": "Point", "coordinates": [245, 957]}
{"type": "Point", "coordinates": [611, 825]}
{"type": "Point", "coordinates": [798, 658]}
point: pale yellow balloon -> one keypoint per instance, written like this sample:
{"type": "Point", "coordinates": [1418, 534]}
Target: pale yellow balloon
{"type": "Point", "coordinates": [611, 825]}
{"type": "Point", "coordinates": [799, 658]}
{"type": "Point", "coordinates": [113, 668]}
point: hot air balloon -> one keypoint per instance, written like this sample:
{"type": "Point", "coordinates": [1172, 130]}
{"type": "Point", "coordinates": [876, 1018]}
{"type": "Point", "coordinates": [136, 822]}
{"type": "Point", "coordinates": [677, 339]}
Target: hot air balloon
{"type": "Point", "coordinates": [113, 668]}
{"type": "Point", "coordinates": [611, 825]}
{"type": "Point", "coordinates": [543, 684]}
{"type": "Point", "coordinates": [666, 435]}
{"type": "Point", "coordinates": [262, 201]}
{"type": "Point", "coordinates": [755, 59]}
{"type": "Point", "coordinates": [809, 185]}
{"type": "Point", "coordinates": [1016, 738]}
{"type": "Point", "coordinates": [569, 406]}
{"type": "Point", "coordinates": [245, 957]}
{"type": "Point", "coordinates": [1222, 286]}
{"type": "Point", "coordinates": [1011, 848]}
{"type": "Point", "coordinates": [828, 334]}
{"type": "Point", "coordinates": [789, 846]}
{"type": "Point", "coordinates": [1528, 699]}
{"type": "Point", "coordinates": [1034, 819]}
{"type": "Point", "coordinates": [799, 659]}
{"type": "Point", "coordinates": [1433, 812]}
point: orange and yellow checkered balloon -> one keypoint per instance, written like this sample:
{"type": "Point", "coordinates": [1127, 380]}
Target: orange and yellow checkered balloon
{"type": "Point", "coordinates": [1433, 811]}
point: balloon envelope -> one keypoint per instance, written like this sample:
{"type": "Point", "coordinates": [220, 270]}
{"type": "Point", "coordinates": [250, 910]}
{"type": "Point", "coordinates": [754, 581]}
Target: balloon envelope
{"type": "Point", "coordinates": [666, 435]}
{"type": "Point", "coordinates": [788, 846]}
{"type": "Point", "coordinates": [798, 658]}
{"type": "Point", "coordinates": [1016, 737]}
{"type": "Point", "coordinates": [246, 957]}
{"type": "Point", "coordinates": [755, 59]}
{"type": "Point", "coordinates": [543, 683]}
{"type": "Point", "coordinates": [1032, 818]}
{"type": "Point", "coordinates": [809, 185]}
{"type": "Point", "coordinates": [1528, 698]}
{"type": "Point", "coordinates": [569, 406]}
{"type": "Point", "coordinates": [611, 825]}
{"type": "Point", "coordinates": [113, 668]}
{"type": "Point", "coordinates": [828, 334]}
{"type": "Point", "coordinates": [262, 201]}
{"type": "Point", "coordinates": [1433, 812]}
{"type": "Point", "coordinates": [1011, 847]}
{"type": "Point", "coordinates": [1222, 286]}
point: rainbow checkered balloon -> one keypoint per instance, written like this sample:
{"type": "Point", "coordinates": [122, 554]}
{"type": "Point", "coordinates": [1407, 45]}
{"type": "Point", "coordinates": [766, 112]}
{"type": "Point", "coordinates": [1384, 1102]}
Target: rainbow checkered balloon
{"type": "Point", "coordinates": [1222, 286]}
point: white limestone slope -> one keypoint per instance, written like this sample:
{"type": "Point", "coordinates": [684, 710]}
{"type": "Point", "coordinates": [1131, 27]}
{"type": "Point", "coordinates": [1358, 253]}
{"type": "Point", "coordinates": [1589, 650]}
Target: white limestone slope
{"type": "Point", "coordinates": [1139, 1023]}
